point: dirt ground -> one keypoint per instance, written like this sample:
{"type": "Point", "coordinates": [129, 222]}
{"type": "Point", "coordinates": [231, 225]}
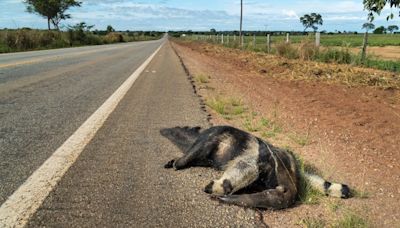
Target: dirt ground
{"type": "Point", "coordinates": [352, 130]}
{"type": "Point", "coordinates": [387, 52]}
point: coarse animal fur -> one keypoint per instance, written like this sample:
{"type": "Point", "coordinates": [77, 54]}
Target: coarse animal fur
{"type": "Point", "coordinates": [267, 176]}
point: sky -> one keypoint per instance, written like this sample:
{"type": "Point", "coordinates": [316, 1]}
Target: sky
{"type": "Point", "coordinates": [164, 15]}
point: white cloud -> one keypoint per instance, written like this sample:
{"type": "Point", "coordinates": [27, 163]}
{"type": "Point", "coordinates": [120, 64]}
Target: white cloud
{"type": "Point", "coordinates": [290, 14]}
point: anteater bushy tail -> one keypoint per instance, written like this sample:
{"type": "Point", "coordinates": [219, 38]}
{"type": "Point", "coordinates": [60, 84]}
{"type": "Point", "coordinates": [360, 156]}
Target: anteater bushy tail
{"type": "Point", "coordinates": [328, 188]}
{"type": "Point", "coordinates": [182, 137]}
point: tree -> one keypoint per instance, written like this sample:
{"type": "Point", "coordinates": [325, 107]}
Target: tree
{"type": "Point", "coordinates": [392, 28]}
{"type": "Point", "coordinates": [110, 29]}
{"type": "Point", "coordinates": [376, 7]}
{"type": "Point", "coordinates": [53, 10]}
{"type": "Point", "coordinates": [380, 30]}
{"type": "Point", "coordinates": [311, 20]}
{"type": "Point", "coordinates": [213, 31]}
{"type": "Point", "coordinates": [367, 26]}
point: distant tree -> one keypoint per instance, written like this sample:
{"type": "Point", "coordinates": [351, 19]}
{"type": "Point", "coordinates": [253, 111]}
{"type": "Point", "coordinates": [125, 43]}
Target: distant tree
{"type": "Point", "coordinates": [110, 29]}
{"type": "Point", "coordinates": [392, 28]}
{"type": "Point", "coordinates": [213, 31]}
{"type": "Point", "coordinates": [311, 21]}
{"type": "Point", "coordinates": [367, 26]}
{"type": "Point", "coordinates": [376, 7]}
{"type": "Point", "coordinates": [78, 32]}
{"type": "Point", "coordinates": [53, 10]}
{"type": "Point", "coordinates": [380, 30]}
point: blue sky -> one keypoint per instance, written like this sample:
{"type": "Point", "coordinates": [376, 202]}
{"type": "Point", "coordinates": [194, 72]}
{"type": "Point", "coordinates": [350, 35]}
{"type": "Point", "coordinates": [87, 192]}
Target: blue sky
{"type": "Point", "coordinates": [200, 15]}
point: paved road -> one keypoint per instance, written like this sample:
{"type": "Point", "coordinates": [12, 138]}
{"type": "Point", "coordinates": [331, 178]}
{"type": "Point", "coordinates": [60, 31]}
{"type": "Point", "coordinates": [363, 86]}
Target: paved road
{"type": "Point", "coordinates": [118, 181]}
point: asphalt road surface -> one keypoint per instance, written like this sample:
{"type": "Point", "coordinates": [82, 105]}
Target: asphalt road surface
{"type": "Point", "coordinates": [118, 180]}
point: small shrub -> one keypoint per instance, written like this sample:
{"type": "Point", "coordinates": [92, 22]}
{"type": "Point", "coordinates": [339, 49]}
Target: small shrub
{"type": "Point", "coordinates": [286, 50]}
{"type": "Point", "coordinates": [308, 50]}
{"type": "Point", "coordinates": [335, 55]}
{"type": "Point", "coordinates": [113, 37]}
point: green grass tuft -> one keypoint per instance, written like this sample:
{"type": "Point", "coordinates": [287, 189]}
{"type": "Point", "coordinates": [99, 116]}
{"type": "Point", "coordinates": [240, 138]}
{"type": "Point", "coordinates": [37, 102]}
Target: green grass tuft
{"type": "Point", "coordinates": [307, 194]}
{"type": "Point", "coordinates": [226, 107]}
{"type": "Point", "coordinates": [302, 140]}
{"type": "Point", "coordinates": [313, 223]}
{"type": "Point", "coordinates": [201, 78]}
{"type": "Point", "coordinates": [352, 220]}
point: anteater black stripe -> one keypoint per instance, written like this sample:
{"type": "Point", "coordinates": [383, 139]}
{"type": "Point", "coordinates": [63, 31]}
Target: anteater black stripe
{"type": "Point", "coordinates": [327, 185]}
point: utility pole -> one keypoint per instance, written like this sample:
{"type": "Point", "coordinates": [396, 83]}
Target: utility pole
{"type": "Point", "coordinates": [241, 23]}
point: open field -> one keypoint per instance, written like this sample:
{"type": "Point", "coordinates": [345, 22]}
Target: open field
{"type": "Point", "coordinates": [339, 118]}
{"type": "Point", "coordinates": [351, 40]}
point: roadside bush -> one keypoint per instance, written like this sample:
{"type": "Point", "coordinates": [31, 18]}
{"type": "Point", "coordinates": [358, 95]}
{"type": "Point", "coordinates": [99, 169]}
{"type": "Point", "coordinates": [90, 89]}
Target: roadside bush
{"type": "Point", "coordinates": [308, 50]}
{"type": "Point", "coordinates": [286, 50]}
{"type": "Point", "coordinates": [335, 55]}
{"type": "Point", "coordinates": [114, 37]}
{"type": "Point", "coordinates": [20, 40]}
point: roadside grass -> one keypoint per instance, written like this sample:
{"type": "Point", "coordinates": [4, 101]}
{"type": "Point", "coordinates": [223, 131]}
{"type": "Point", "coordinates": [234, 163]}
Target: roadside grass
{"type": "Point", "coordinates": [26, 39]}
{"type": "Point", "coordinates": [272, 128]}
{"type": "Point", "coordinates": [348, 220]}
{"type": "Point", "coordinates": [312, 223]}
{"type": "Point", "coordinates": [334, 206]}
{"type": "Point", "coordinates": [226, 107]}
{"type": "Point", "coordinates": [307, 193]}
{"type": "Point", "coordinates": [300, 139]}
{"type": "Point", "coordinates": [340, 53]}
{"type": "Point", "coordinates": [361, 194]}
{"type": "Point", "coordinates": [352, 220]}
{"type": "Point", "coordinates": [201, 78]}
{"type": "Point", "coordinates": [343, 73]}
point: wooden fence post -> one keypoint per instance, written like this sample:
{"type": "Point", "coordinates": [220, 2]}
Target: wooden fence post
{"type": "Point", "coordinates": [268, 43]}
{"type": "Point", "coordinates": [287, 38]}
{"type": "Point", "coordinates": [317, 39]}
{"type": "Point", "coordinates": [254, 41]}
{"type": "Point", "coordinates": [222, 38]}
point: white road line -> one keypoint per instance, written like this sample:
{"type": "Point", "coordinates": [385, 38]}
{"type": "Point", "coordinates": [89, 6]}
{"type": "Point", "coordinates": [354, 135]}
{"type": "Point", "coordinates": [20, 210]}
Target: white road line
{"type": "Point", "coordinates": [23, 203]}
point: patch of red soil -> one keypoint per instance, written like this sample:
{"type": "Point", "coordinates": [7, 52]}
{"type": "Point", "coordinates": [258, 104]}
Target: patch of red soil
{"type": "Point", "coordinates": [355, 131]}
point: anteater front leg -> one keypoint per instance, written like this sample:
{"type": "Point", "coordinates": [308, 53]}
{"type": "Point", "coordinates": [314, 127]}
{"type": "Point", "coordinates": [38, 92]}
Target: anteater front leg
{"type": "Point", "coordinates": [197, 156]}
{"type": "Point", "coordinates": [239, 174]}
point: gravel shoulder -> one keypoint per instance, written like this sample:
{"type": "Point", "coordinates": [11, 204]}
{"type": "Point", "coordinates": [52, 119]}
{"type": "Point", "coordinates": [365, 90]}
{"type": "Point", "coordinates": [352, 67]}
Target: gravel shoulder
{"type": "Point", "coordinates": [349, 132]}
